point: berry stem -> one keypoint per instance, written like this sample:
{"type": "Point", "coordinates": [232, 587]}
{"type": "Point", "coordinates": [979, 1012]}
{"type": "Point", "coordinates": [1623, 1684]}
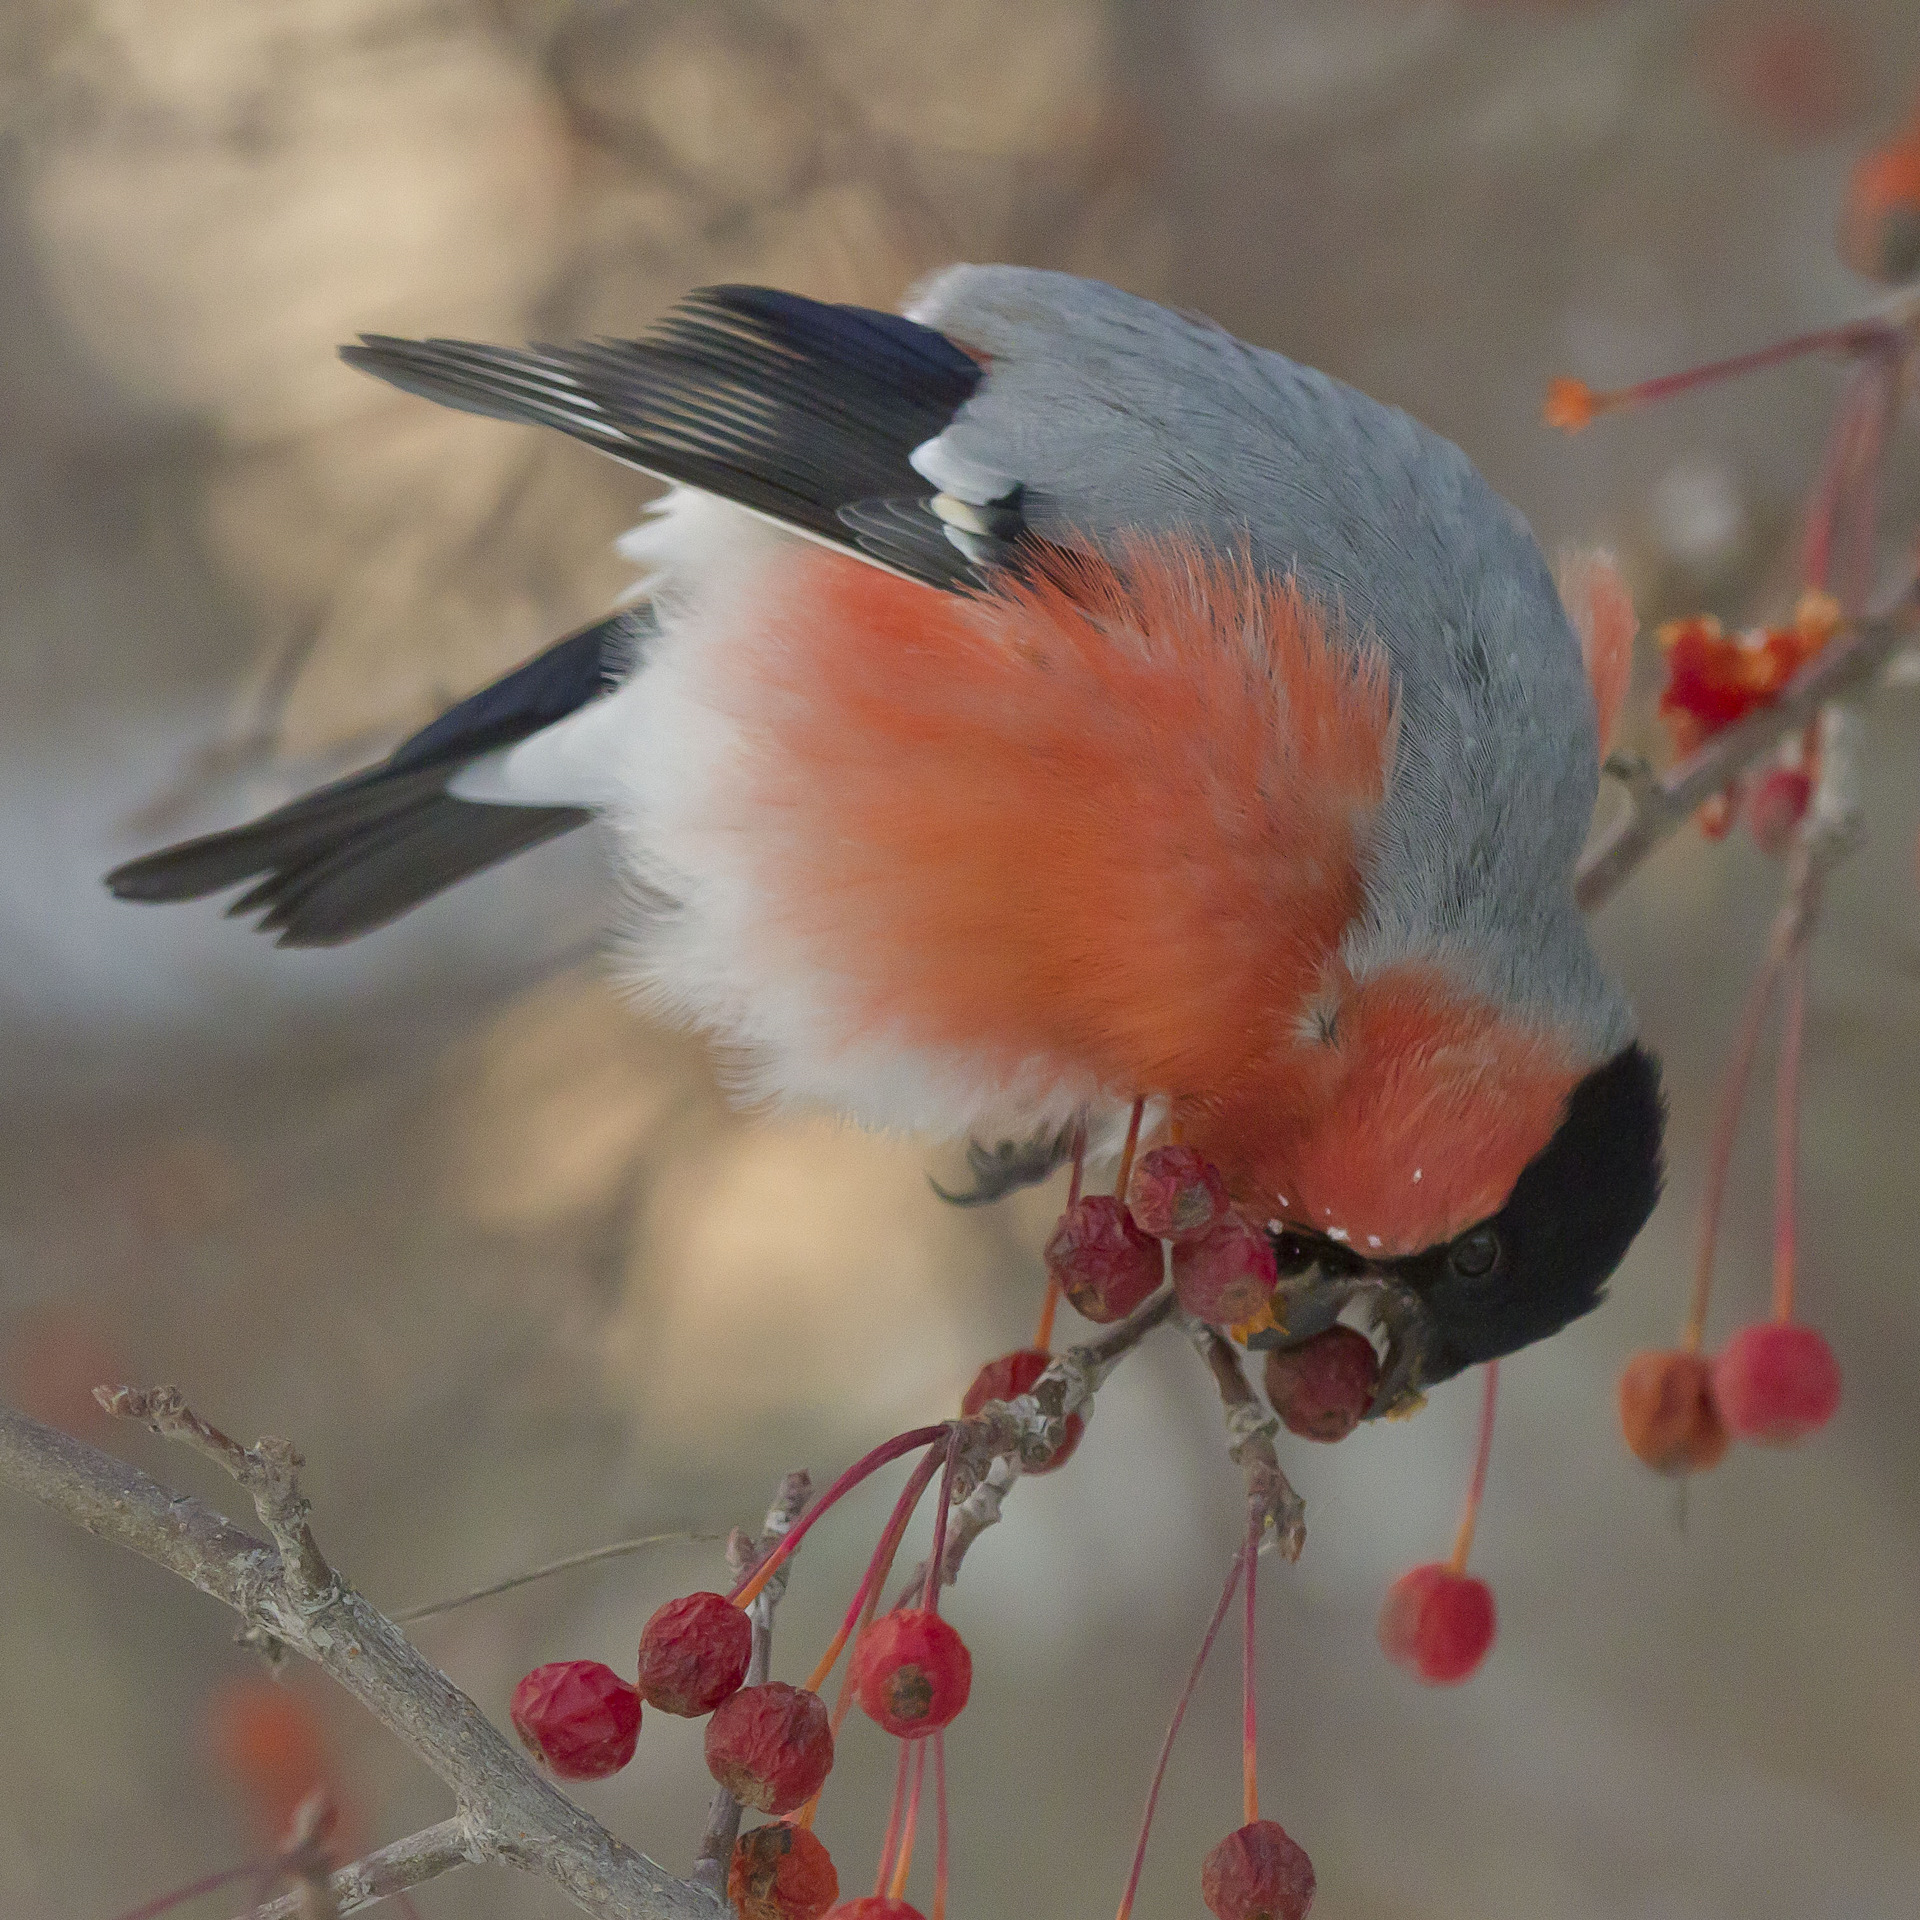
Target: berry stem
{"type": "Point", "coordinates": [153, 1908]}
{"type": "Point", "coordinates": [1126, 1152]}
{"type": "Point", "coordinates": [1049, 1306]}
{"type": "Point", "coordinates": [936, 1558]}
{"type": "Point", "coordinates": [748, 1590]}
{"type": "Point", "coordinates": [1249, 1722]}
{"type": "Point", "coordinates": [1079, 1174]}
{"type": "Point", "coordinates": [1476, 1492]}
{"type": "Point", "coordinates": [1786, 1134]}
{"type": "Point", "coordinates": [898, 1889]}
{"type": "Point", "coordinates": [893, 1822]}
{"type": "Point", "coordinates": [940, 1825]}
{"type": "Point", "coordinates": [1726, 1121]}
{"type": "Point", "coordinates": [1173, 1729]}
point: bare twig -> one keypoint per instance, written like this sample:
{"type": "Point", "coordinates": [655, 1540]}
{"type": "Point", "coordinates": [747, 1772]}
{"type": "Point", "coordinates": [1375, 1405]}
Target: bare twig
{"type": "Point", "coordinates": [743, 1556]}
{"type": "Point", "coordinates": [1250, 1430]}
{"type": "Point", "coordinates": [411, 1862]}
{"type": "Point", "coordinates": [614, 1550]}
{"type": "Point", "coordinates": [515, 1816]}
{"type": "Point", "coordinates": [1852, 659]}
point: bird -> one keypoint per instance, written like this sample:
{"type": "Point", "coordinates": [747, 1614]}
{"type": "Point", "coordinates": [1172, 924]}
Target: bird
{"type": "Point", "coordinates": [1040, 705]}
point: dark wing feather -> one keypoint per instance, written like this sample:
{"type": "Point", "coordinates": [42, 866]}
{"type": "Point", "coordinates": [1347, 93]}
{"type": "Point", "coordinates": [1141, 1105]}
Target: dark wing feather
{"type": "Point", "coordinates": [794, 408]}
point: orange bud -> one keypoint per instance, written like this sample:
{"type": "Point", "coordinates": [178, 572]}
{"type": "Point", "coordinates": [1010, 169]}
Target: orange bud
{"type": "Point", "coordinates": [1570, 405]}
{"type": "Point", "coordinates": [1667, 1412]}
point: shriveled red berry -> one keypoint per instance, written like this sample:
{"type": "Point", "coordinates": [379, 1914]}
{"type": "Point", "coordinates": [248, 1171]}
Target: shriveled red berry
{"type": "Point", "coordinates": [1010, 1376]}
{"type": "Point", "coordinates": [1438, 1624]}
{"type": "Point", "coordinates": [1258, 1872]}
{"type": "Point", "coordinates": [1176, 1194]}
{"type": "Point", "coordinates": [694, 1653]}
{"type": "Point", "coordinates": [1775, 807]}
{"type": "Point", "coordinates": [1776, 1383]}
{"type": "Point", "coordinates": [875, 1907]}
{"type": "Point", "coordinates": [771, 1746]}
{"type": "Point", "coordinates": [578, 1718]}
{"type": "Point", "coordinates": [781, 1873]}
{"type": "Point", "coordinates": [1322, 1388]}
{"type": "Point", "coordinates": [1667, 1412]}
{"type": "Point", "coordinates": [1105, 1265]}
{"type": "Point", "coordinates": [1227, 1275]}
{"type": "Point", "coordinates": [913, 1672]}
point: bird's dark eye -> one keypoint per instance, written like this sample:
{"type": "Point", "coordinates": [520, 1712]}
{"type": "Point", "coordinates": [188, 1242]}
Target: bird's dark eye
{"type": "Point", "coordinates": [1475, 1255]}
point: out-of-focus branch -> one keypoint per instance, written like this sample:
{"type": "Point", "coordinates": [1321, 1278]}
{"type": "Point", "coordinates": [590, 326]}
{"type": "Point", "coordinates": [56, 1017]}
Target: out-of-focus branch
{"type": "Point", "coordinates": [512, 1815]}
{"type": "Point", "coordinates": [1251, 1426]}
{"type": "Point", "coordinates": [743, 1556]}
{"type": "Point", "coordinates": [394, 1868]}
{"type": "Point", "coordinates": [1657, 807]}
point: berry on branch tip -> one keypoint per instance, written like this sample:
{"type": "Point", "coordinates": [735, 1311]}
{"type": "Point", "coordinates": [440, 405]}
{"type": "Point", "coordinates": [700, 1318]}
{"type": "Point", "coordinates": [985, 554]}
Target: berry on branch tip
{"type": "Point", "coordinates": [771, 1746]}
{"type": "Point", "coordinates": [1006, 1379]}
{"type": "Point", "coordinates": [1569, 405]}
{"type": "Point", "coordinates": [1438, 1624]}
{"type": "Point", "coordinates": [1227, 1275]}
{"type": "Point", "coordinates": [1176, 1194]}
{"type": "Point", "coordinates": [694, 1653]}
{"type": "Point", "coordinates": [578, 1718]}
{"type": "Point", "coordinates": [1776, 1383]}
{"type": "Point", "coordinates": [1105, 1265]}
{"type": "Point", "coordinates": [1258, 1872]}
{"type": "Point", "coordinates": [913, 1672]}
{"type": "Point", "coordinates": [1667, 1412]}
{"type": "Point", "coordinates": [781, 1873]}
{"type": "Point", "coordinates": [1322, 1388]}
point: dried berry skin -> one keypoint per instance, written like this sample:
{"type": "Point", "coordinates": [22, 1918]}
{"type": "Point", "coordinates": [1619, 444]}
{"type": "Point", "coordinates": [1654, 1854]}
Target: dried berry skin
{"type": "Point", "coordinates": [1257, 1872]}
{"type": "Point", "coordinates": [1105, 1265]}
{"type": "Point", "coordinates": [875, 1907]}
{"type": "Point", "coordinates": [771, 1747]}
{"type": "Point", "coordinates": [578, 1718]}
{"type": "Point", "coordinates": [1176, 1194]}
{"type": "Point", "coordinates": [1227, 1275]}
{"type": "Point", "coordinates": [913, 1672]}
{"type": "Point", "coordinates": [1438, 1624]}
{"type": "Point", "coordinates": [694, 1653]}
{"type": "Point", "coordinates": [781, 1873]}
{"type": "Point", "coordinates": [1667, 1412]}
{"type": "Point", "coordinates": [1776, 1383]}
{"type": "Point", "coordinates": [1322, 1388]}
{"type": "Point", "coordinates": [1010, 1376]}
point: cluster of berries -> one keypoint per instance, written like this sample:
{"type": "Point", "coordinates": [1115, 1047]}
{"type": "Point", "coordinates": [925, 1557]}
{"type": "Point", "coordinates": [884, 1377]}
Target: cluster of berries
{"type": "Point", "coordinates": [1773, 1383]}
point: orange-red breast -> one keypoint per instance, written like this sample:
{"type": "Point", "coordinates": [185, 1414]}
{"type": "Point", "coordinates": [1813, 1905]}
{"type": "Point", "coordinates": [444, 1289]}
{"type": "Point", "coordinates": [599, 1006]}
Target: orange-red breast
{"type": "Point", "coordinates": [1044, 701]}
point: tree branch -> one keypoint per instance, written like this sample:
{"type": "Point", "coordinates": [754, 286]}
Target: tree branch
{"type": "Point", "coordinates": [394, 1868]}
{"type": "Point", "coordinates": [1250, 1430]}
{"type": "Point", "coordinates": [1657, 808]}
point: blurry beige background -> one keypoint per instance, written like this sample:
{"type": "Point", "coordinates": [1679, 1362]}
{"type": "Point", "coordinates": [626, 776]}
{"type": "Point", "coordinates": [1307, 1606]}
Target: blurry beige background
{"type": "Point", "coordinates": [496, 1254]}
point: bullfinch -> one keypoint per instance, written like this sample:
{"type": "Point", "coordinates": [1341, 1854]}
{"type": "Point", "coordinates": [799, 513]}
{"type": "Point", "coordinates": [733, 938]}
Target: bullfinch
{"type": "Point", "coordinates": [1040, 702]}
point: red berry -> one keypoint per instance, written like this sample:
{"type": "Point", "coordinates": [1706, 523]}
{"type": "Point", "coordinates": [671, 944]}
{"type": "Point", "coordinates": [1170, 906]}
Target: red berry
{"type": "Point", "coordinates": [913, 1672]}
{"type": "Point", "coordinates": [1438, 1624]}
{"type": "Point", "coordinates": [875, 1907]}
{"type": "Point", "coordinates": [1227, 1275]}
{"type": "Point", "coordinates": [693, 1653]}
{"type": "Point", "coordinates": [1105, 1265]}
{"type": "Point", "coordinates": [1776, 1383]}
{"type": "Point", "coordinates": [1322, 1388]}
{"type": "Point", "coordinates": [781, 1873]}
{"type": "Point", "coordinates": [1257, 1872]}
{"type": "Point", "coordinates": [577, 1717]}
{"type": "Point", "coordinates": [1006, 1379]}
{"type": "Point", "coordinates": [1176, 1194]}
{"type": "Point", "coordinates": [1775, 807]}
{"type": "Point", "coordinates": [1667, 1412]}
{"type": "Point", "coordinates": [770, 1746]}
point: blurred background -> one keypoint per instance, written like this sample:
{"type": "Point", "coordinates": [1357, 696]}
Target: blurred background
{"type": "Point", "coordinates": [495, 1252]}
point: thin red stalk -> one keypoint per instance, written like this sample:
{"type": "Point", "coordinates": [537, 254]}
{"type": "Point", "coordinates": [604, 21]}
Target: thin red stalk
{"type": "Point", "coordinates": [748, 1589]}
{"type": "Point", "coordinates": [893, 1822]}
{"type": "Point", "coordinates": [1249, 1722]}
{"type": "Point", "coordinates": [1786, 1134]}
{"type": "Point", "coordinates": [1173, 1729]}
{"type": "Point", "coordinates": [940, 1826]}
{"type": "Point", "coordinates": [1050, 1305]}
{"type": "Point", "coordinates": [879, 1566]}
{"type": "Point", "coordinates": [1126, 1152]}
{"type": "Point", "coordinates": [1880, 401]}
{"type": "Point", "coordinates": [1856, 337]}
{"type": "Point", "coordinates": [936, 1559]}
{"type": "Point", "coordinates": [1079, 1163]}
{"type": "Point", "coordinates": [181, 1894]}
{"type": "Point", "coordinates": [899, 1887]}
{"type": "Point", "coordinates": [1726, 1121]}
{"type": "Point", "coordinates": [1477, 1491]}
